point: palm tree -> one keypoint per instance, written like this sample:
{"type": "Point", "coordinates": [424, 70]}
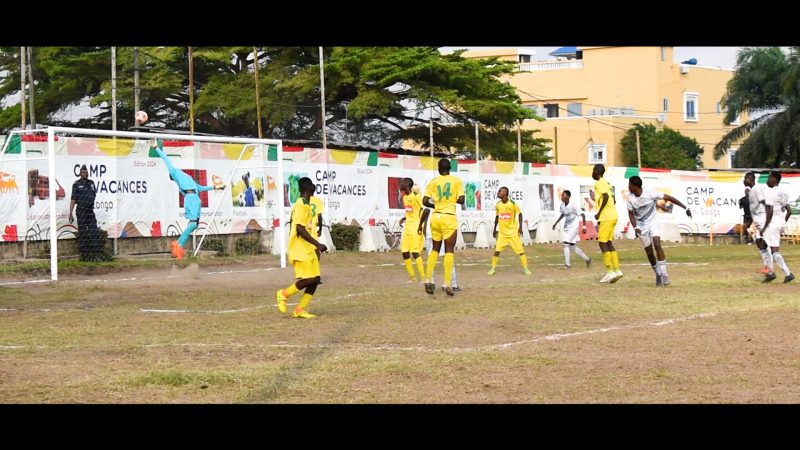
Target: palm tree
{"type": "Point", "coordinates": [766, 78]}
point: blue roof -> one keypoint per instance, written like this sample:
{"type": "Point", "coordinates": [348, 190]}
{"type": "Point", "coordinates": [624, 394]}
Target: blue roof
{"type": "Point", "coordinates": [564, 51]}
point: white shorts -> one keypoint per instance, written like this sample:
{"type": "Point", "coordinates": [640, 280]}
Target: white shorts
{"type": "Point", "coordinates": [647, 233]}
{"type": "Point", "coordinates": [758, 225]}
{"type": "Point", "coordinates": [772, 235]}
{"type": "Point", "coordinates": [570, 234]}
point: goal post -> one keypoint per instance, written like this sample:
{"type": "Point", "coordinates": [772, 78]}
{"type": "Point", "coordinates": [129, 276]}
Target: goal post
{"type": "Point", "coordinates": [137, 187]}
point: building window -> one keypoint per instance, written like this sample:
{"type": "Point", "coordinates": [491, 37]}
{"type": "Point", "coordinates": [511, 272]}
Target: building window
{"type": "Point", "coordinates": [719, 107]}
{"type": "Point", "coordinates": [574, 110]}
{"type": "Point", "coordinates": [690, 103]}
{"type": "Point", "coordinates": [665, 104]}
{"type": "Point", "coordinates": [731, 158]}
{"type": "Point", "coordinates": [552, 109]}
{"type": "Point", "coordinates": [597, 154]}
{"type": "Point", "coordinates": [664, 55]}
{"type": "Point", "coordinates": [524, 58]}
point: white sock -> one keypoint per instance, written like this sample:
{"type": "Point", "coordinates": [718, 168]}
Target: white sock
{"type": "Point", "coordinates": [781, 263]}
{"type": "Point", "coordinates": [656, 269]}
{"type": "Point", "coordinates": [662, 267]}
{"type": "Point", "coordinates": [766, 257]}
{"type": "Point", "coordinates": [566, 254]}
{"type": "Point", "coordinates": [580, 253]}
{"type": "Point", "coordinates": [453, 280]}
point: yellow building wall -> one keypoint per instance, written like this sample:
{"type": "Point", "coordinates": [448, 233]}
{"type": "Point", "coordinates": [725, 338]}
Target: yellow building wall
{"type": "Point", "coordinates": [624, 77]}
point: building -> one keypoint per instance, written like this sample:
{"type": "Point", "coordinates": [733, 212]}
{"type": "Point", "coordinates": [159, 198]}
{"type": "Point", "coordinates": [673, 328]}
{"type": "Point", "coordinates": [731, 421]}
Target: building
{"type": "Point", "coordinates": [591, 95]}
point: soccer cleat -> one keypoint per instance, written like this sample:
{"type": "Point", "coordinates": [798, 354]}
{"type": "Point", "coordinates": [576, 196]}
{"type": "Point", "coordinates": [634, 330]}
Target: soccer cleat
{"type": "Point", "coordinates": [788, 278]}
{"type": "Point", "coordinates": [430, 288]}
{"type": "Point", "coordinates": [565, 266]}
{"type": "Point", "coordinates": [769, 277]}
{"type": "Point", "coordinates": [448, 290]}
{"type": "Point", "coordinates": [607, 277]}
{"type": "Point", "coordinates": [764, 270]}
{"type": "Point", "coordinates": [588, 263]}
{"type": "Point", "coordinates": [659, 281]}
{"type": "Point", "coordinates": [281, 299]}
{"type": "Point", "coordinates": [665, 280]}
{"type": "Point", "coordinates": [179, 252]}
{"type": "Point", "coordinates": [527, 271]}
{"type": "Point", "coordinates": [303, 315]}
{"type": "Point", "coordinates": [458, 289]}
{"type": "Point", "coordinates": [616, 276]}
{"type": "Point", "coordinates": [173, 249]}
{"type": "Point", "coordinates": [491, 271]}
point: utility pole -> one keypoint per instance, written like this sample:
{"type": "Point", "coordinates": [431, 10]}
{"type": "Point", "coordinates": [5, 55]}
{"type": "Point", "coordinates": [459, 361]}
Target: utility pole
{"type": "Point", "coordinates": [191, 93]}
{"type": "Point", "coordinates": [322, 101]}
{"type": "Point", "coordinates": [136, 103]}
{"type": "Point", "coordinates": [258, 93]}
{"type": "Point", "coordinates": [31, 88]}
{"type": "Point", "coordinates": [519, 141]}
{"type": "Point", "coordinates": [430, 122]}
{"type": "Point", "coordinates": [114, 88]}
{"type": "Point", "coordinates": [22, 75]}
{"type": "Point", "coordinates": [555, 143]}
{"type": "Point", "coordinates": [638, 149]}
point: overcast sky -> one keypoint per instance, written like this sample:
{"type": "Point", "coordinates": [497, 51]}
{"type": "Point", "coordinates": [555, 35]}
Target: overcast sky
{"type": "Point", "coordinates": [706, 56]}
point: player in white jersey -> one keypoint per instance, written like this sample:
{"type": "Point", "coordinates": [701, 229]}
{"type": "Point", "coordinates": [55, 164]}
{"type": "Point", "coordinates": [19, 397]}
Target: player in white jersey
{"type": "Point", "coordinates": [570, 212]}
{"type": "Point", "coordinates": [643, 217]}
{"type": "Point", "coordinates": [761, 209]}
{"type": "Point", "coordinates": [780, 215]}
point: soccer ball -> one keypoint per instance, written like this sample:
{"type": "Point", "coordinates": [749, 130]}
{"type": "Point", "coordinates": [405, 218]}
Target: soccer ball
{"type": "Point", "coordinates": [141, 117]}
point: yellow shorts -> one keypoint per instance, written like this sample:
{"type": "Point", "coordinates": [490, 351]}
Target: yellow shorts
{"type": "Point", "coordinates": [306, 269]}
{"type": "Point", "coordinates": [443, 226]}
{"type": "Point", "coordinates": [514, 241]}
{"type": "Point", "coordinates": [411, 243]}
{"type": "Point", "coordinates": [605, 232]}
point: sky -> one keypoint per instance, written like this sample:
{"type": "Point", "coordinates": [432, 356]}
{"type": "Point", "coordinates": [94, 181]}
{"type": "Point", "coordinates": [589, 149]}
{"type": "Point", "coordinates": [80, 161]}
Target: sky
{"type": "Point", "coordinates": [724, 57]}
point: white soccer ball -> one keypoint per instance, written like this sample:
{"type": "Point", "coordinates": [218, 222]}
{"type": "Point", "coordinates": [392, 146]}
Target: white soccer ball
{"type": "Point", "coordinates": [141, 117]}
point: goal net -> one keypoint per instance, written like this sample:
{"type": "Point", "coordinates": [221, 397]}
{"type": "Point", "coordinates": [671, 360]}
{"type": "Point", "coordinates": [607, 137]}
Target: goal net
{"type": "Point", "coordinates": [72, 197]}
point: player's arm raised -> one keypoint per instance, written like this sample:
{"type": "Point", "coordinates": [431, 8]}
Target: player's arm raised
{"type": "Point", "coordinates": [674, 200]}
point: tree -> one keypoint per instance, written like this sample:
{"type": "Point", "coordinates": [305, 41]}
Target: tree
{"type": "Point", "coordinates": [661, 149]}
{"type": "Point", "coordinates": [764, 79]}
{"type": "Point", "coordinates": [375, 95]}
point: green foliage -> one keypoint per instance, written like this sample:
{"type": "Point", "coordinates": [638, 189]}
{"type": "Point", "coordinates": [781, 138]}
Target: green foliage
{"type": "Point", "coordinates": [367, 93]}
{"type": "Point", "coordinates": [766, 78]}
{"type": "Point", "coordinates": [661, 149]}
{"type": "Point", "coordinates": [214, 244]}
{"type": "Point", "coordinates": [247, 245]}
{"type": "Point", "coordinates": [345, 237]}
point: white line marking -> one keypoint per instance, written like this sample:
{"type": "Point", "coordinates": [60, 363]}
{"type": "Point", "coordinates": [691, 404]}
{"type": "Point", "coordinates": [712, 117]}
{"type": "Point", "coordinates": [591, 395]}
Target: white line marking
{"type": "Point", "coordinates": [114, 280]}
{"type": "Point", "coordinates": [418, 348]}
{"type": "Point", "coordinates": [249, 308]}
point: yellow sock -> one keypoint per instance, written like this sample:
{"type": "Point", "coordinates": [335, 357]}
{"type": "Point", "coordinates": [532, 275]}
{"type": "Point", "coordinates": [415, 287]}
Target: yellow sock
{"type": "Point", "coordinates": [449, 260]}
{"type": "Point", "coordinates": [607, 261]}
{"type": "Point", "coordinates": [495, 259]}
{"type": "Point", "coordinates": [614, 260]}
{"type": "Point", "coordinates": [524, 260]}
{"type": "Point", "coordinates": [409, 268]}
{"type": "Point", "coordinates": [290, 291]}
{"type": "Point", "coordinates": [304, 301]}
{"type": "Point", "coordinates": [420, 267]}
{"type": "Point", "coordinates": [433, 257]}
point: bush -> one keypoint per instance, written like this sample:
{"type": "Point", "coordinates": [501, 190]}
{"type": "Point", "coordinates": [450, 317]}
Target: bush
{"type": "Point", "coordinates": [345, 237]}
{"type": "Point", "coordinates": [247, 245]}
{"type": "Point", "coordinates": [215, 245]}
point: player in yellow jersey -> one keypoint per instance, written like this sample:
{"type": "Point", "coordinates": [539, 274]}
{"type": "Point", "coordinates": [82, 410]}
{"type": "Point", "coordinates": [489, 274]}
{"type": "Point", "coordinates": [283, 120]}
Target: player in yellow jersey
{"type": "Point", "coordinates": [302, 248]}
{"type": "Point", "coordinates": [317, 208]}
{"type": "Point", "coordinates": [510, 232]}
{"type": "Point", "coordinates": [444, 193]}
{"type": "Point", "coordinates": [414, 230]}
{"type": "Point", "coordinates": [606, 222]}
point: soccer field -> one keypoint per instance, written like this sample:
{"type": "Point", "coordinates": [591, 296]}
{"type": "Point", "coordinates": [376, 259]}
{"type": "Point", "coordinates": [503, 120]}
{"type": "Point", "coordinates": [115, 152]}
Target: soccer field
{"type": "Point", "coordinates": [158, 333]}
